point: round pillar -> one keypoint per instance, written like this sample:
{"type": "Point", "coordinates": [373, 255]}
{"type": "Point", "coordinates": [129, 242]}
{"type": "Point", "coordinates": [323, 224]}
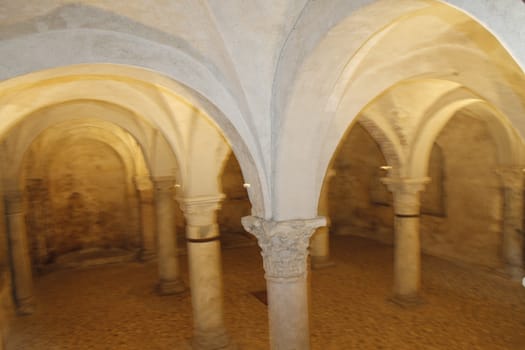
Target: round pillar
{"type": "Point", "coordinates": [512, 236]}
{"type": "Point", "coordinates": [407, 250]}
{"type": "Point", "coordinates": [147, 217]}
{"type": "Point", "coordinates": [19, 252]}
{"type": "Point", "coordinates": [168, 261]}
{"type": "Point", "coordinates": [285, 250]}
{"type": "Point", "coordinates": [205, 267]}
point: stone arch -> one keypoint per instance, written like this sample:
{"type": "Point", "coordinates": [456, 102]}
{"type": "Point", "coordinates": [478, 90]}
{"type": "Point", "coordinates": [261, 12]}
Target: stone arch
{"type": "Point", "coordinates": [325, 65]}
{"type": "Point", "coordinates": [147, 95]}
{"type": "Point", "coordinates": [437, 116]}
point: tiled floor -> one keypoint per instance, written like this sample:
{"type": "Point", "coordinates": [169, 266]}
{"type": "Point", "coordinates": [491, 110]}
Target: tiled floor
{"type": "Point", "coordinates": [115, 307]}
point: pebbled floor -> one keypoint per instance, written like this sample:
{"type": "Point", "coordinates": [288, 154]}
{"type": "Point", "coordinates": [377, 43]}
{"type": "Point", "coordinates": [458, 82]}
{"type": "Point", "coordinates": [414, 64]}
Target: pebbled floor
{"type": "Point", "coordinates": [115, 307]}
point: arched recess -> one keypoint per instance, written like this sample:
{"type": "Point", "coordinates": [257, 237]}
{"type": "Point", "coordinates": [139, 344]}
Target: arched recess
{"type": "Point", "coordinates": [182, 121]}
{"type": "Point", "coordinates": [80, 189]}
{"type": "Point", "coordinates": [343, 71]}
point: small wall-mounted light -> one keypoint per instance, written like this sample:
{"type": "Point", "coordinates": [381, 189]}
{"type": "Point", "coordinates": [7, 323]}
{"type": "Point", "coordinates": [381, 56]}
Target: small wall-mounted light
{"type": "Point", "coordinates": [385, 167]}
{"type": "Point", "coordinates": [246, 185]}
{"type": "Point", "coordinates": [177, 185]}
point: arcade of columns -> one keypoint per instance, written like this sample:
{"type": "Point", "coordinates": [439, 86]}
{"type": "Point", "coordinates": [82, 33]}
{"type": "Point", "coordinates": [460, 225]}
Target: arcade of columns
{"type": "Point", "coordinates": [285, 246]}
{"type": "Point", "coordinates": [317, 86]}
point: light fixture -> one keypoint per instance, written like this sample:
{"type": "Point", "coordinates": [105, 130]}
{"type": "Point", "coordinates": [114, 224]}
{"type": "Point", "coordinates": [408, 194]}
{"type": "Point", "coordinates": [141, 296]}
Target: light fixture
{"type": "Point", "coordinates": [177, 185]}
{"type": "Point", "coordinates": [246, 185]}
{"type": "Point", "coordinates": [385, 167]}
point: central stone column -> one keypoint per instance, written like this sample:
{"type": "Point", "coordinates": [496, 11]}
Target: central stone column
{"type": "Point", "coordinates": [20, 261]}
{"type": "Point", "coordinates": [407, 250]}
{"type": "Point", "coordinates": [147, 217]}
{"type": "Point", "coordinates": [285, 250]}
{"type": "Point", "coordinates": [169, 271]}
{"type": "Point", "coordinates": [320, 242]}
{"type": "Point", "coordinates": [512, 183]}
{"type": "Point", "coordinates": [204, 256]}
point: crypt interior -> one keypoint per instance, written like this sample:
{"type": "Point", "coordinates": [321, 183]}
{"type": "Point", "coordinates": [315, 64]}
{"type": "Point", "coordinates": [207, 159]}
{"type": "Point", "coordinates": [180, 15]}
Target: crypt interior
{"type": "Point", "coordinates": [284, 174]}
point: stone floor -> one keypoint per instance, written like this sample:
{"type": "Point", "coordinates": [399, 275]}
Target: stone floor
{"type": "Point", "coordinates": [115, 307]}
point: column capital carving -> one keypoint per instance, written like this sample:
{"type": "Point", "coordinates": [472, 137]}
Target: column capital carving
{"type": "Point", "coordinates": [146, 195]}
{"type": "Point", "coordinates": [511, 177]}
{"type": "Point", "coordinates": [284, 244]}
{"type": "Point", "coordinates": [164, 183]}
{"type": "Point", "coordinates": [200, 211]}
{"type": "Point", "coordinates": [143, 182]}
{"type": "Point", "coordinates": [406, 193]}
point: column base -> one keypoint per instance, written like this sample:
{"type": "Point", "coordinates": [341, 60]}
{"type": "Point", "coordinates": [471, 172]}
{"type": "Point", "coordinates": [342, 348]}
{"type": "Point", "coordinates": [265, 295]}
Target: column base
{"type": "Point", "coordinates": [321, 262]}
{"type": "Point", "coordinates": [171, 287]}
{"type": "Point", "coordinates": [25, 307]}
{"type": "Point", "coordinates": [407, 301]}
{"type": "Point", "coordinates": [212, 341]}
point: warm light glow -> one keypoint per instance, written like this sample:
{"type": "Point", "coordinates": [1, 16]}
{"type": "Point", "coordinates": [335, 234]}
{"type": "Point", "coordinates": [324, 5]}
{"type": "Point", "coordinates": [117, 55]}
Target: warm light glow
{"type": "Point", "coordinates": [386, 167]}
{"type": "Point", "coordinates": [246, 185]}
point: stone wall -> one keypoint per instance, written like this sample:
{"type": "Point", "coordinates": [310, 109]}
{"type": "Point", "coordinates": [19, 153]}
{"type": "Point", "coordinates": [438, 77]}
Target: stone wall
{"type": "Point", "coordinates": [87, 200]}
{"type": "Point", "coordinates": [461, 207]}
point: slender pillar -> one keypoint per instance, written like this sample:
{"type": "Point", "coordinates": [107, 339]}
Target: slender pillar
{"type": "Point", "coordinates": [36, 220]}
{"type": "Point", "coordinates": [512, 240]}
{"type": "Point", "coordinates": [19, 252]}
{"type": "Point", "coordinates": [320, 242]}
{"type": "Point", "coordinates": [285, 250]}
{"type": "Point", "coordinates": [407, 250]}
{"type": "Point", "coordinates": [169, 271]}
{"type": "Point", "coordinates": [147, 218]}
{"type": "Point", "coordinates": [204, 255]}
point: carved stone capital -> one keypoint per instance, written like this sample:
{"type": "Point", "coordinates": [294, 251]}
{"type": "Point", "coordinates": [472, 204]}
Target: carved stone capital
{"type": "Point", "coordinates": [284, 244]}
{"type": "Point", "coordinates": [146, 196]}
{"type": "Point", "coordinates": [14, 202]}
{"type": "Point", "coordinates": [200, 211]}
{"type": "Point", "coordinates": [511, 178]}
{"type": "Point", "coordinates": [164, 184]}
{"type": "Point", "coordinates": [406, 193]}
{"type": "Point", "coordinates": [143, 183]}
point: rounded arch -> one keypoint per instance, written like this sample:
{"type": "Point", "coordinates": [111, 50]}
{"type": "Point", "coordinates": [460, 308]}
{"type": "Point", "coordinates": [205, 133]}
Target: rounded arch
{"type": "Point", "coordinates": [168, 105]}
{"type": "Point", "coordinates": [504, 137]}
{"type": "Point", "coordinates": [304, 143]}
{"type": "Point", "coordinates": [124, 124]}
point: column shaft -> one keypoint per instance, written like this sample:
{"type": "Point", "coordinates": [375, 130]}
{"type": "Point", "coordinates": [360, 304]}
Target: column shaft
{"type": "Point", "coordinates": [284, 248]}
{"type": "Point", "coordinates": [204, 255]}
{"type": "Point", "coordinates": [512, 238]}
{"type": "Point", "coordinates": [407, 257]}
{"type": "Point", "coordinates": [147, 218]}
{"type": "Point", "coordinates": [168, 261]}
{"type": "Point", "coordinates": [19, 252]}
{"type": "Point", "coordinates": [407, 250]}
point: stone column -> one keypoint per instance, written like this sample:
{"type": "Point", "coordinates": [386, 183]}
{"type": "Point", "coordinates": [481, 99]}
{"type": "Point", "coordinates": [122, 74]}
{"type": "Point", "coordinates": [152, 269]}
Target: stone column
{"type": "Point", "coordinates": [320, 242]}
{"type": "Point", "coordinates": [407, 250]}
{"type": "Point", "coordinates": [169, 271]}
{"type": "Point", "coordinates": [512, 240]}
{"type": "Point", "coordinates": [36, 221]}
{"type": "Point", "coordinates": [285, 250]}
{"type": "Point", "coordinates": [147, 218]}
{"type": "Point", "coordinates": [204, 256]}
{"type": "Point", "coordinates": [19, 252]}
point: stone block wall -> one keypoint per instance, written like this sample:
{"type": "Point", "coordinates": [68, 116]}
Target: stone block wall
{"type": "Point", "coordinates": [87, 200]}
